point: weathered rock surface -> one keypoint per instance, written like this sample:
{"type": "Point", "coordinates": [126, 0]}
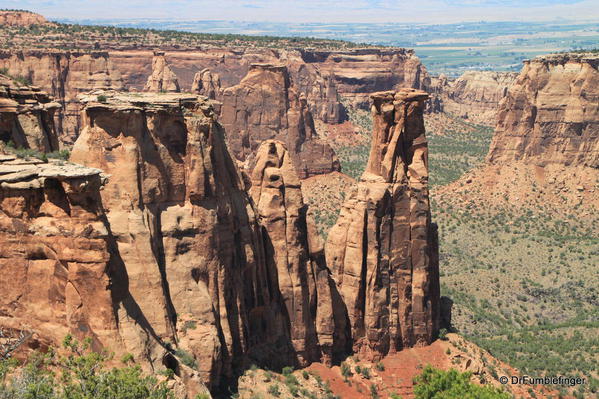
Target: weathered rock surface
{"type": "Point", "coordinates": [27, 116]}
{"type": "Point", "coordinates": [474, 96]}
{"type": "Point", "coordinates": [54, 249]}
{"type": "Point", "coordinates": [551, 114]}
{"type": "Point", "coordinates": [383, 251]}
{"type": "Point", "coordinates": [64, 75]}
{"type": "Point", "coordinates": [191, 251]}
{"type": "Point", "coordinates": [162, 79]}
{"type": "Point", "coordinates": [313, 305]}
{"type": "Point", "coordinates": [265, 106]}
{"type": "Point", "coordinates": [21, 18]}
{"type": "Point", "coordinates": [206, 84]}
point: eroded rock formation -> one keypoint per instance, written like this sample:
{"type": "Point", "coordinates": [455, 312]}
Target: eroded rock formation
{"type": "Point", "coordinates": [27, 116]}
{"type": "Point", "coordinates": [206, 84]}
{"type": "Point", "coordinates": [265, 106]}
{"type": "Point", "coordinates": [162, 79]}
{"type": "Point", "coordinates": [64, 75]}
{"type": "Point", "coordinates": [190, 250]}
{"type": "Point", "coordinates": [54, 250]}
{"type": "Point", "coordinates": [383, 251]}
{"type": "Point", "coordinates": [313, 305]}
{"type": "Point", "coordinates": [474, 96]}
{"type": "Point", "coordinates": [550, 114]}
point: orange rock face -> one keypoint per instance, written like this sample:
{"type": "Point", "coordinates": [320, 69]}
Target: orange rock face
{"type": "Point", "coordinates": [54, 249]}
{"type": "Point", "coordinates": [383, 251]}
{"type": "Point", "coordinates": [317, 316]}
{"type": "Point", "coordinates": [550, 114]}
{"type": "Point", "coordinates": [207, 84]}
{"type": "Point", "coordinates": [27, 116]}
{"type": "Point", "coordinates": [64, 75]}
{"type": "Point", "coordinates": [265, 106]}
{"type": "Point", "coordinates": [162, 79]}
{"type": "Point", "coordinates": [474, 96]}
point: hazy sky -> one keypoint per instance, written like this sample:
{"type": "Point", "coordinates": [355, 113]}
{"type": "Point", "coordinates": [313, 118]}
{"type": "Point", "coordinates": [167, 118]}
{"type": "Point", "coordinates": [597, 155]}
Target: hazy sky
{"type": "Point", "coordinates": [433, 11]}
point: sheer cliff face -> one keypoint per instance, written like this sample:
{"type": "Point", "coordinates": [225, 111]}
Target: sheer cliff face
{"type": "Point", "coordinates": [54, 249]}
{"type": "Point", "coordinates": [27, 116]}
{"type": "Point", "coordinates": [475, 95]}
{"type": "Point", "coordinates": [312, 303]}
{"type": "Point", "coordinates": [64, 75]}
{"type": "Point", "coordinates": [383, 250]}
{"type": "Point", "coordinates": [264, 106]}
{"type": "Point", "coordinates": [550, 114]}
{"type": "Point", "coordinates": [207, 84]}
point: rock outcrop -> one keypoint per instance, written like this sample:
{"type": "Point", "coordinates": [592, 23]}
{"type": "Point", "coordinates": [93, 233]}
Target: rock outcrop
{"type": "Point", "coordinates": [474, 96]}
{"type": "Point", "coordinates": [21, 18]}
{"type": "Point", "coordinates": [313, 305]}
{"type": "Point", "coordinates": [64, 75]}
{"type": "Point", "coordinates": [265, 106]}
{"type": "Point", "coordinates": [27, 116]}
{"type": "Point", "coordinates": [383, 251]}
{"type": "Point", "coordinates": [162, 79]}
{"type": "Point", "coordinates": [206, 84]}
{"type": "Point", "coordinates": [54, 250]}
{"type": "Point", "coordinates": [187, 243]}
{"type": "Point", "coordinates": [550, 114]}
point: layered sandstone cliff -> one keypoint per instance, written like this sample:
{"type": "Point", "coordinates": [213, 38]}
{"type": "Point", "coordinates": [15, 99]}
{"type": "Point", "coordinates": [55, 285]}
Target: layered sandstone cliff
{"type": "Point", "coordinates": [64, 75]}
{"type": "Point", "coordinates": [162, 79]}
{"type": "Point", "coordinates": [383, 250]}
{"type": "Point", "coordinates": [27, 116]}
{"type": "Point", "coordinates": [265, 106]}
{"type": "Point", "coordinates": [474, 96]}
{"type": "Point", "coordinates": [54, 249]}
{"type": "Point", "coordinates": [313, 305]}
{"type": "Point", "coordinates": [550, 114]}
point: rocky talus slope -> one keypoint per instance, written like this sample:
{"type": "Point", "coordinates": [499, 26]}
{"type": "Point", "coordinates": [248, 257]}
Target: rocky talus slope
{"type": "Point", "coordinates": [383, 250]}
{"type": "Point", "coordinates": [162, 79]}
{"type": "Point", "coordinates": [474, 96]}
{"type": "Point", "coordinates": [27, 116]}
{"type": "Point", "coordinates": [265, 106]}
{"type": "Point", "coordinates": [64, 75]}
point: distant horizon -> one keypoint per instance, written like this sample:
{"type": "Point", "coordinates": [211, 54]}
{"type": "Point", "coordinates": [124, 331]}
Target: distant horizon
{"type": "Point", "coordinates": [316, 11]}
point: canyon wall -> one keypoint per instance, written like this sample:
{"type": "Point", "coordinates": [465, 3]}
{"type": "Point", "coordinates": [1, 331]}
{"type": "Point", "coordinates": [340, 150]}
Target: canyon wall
{"type": "Point", "coordinates": [27, 116]}
{"type": "Point", "coordinates": [265, 106]}
{"type": "Point", "coordinates": [474, 96]}
{"type": "Point", "coordinates": [64, 75]}
{"type": "Point", "coordinates": [383, 251]}
{"type": "Point", "coordinates": [550, 115]}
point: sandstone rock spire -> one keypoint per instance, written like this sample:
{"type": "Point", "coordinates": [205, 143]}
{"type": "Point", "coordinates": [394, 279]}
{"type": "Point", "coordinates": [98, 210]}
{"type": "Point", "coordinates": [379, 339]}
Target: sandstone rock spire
{"type": "Point", "coordinates": [383, 249]}
{"type": "Point", "coordinates": [162, 79]}
{"type": "Point", "coordinates": [316, 315]}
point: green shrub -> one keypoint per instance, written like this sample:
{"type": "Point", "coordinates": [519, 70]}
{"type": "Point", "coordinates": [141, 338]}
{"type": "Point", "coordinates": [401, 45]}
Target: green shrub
{"type": "Point", "coordinates": [439, 384]}
{"type": "Point", "coordinates": [102, 99]}
{"type": "Point", "coordinates": [380, 366]}
{"type": "Point", "coordinates": [186, 358]}
{"type": "Point", "coordinates": [345, 370]}
{"type": "Point", "coordinates": [443, 334]}
{"type": "Point", "coordinates": [274, 390]}
{"type": "Point", "coordinates": [287, 370]}
{"type": "Point", "coordinates": [83, 375]}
